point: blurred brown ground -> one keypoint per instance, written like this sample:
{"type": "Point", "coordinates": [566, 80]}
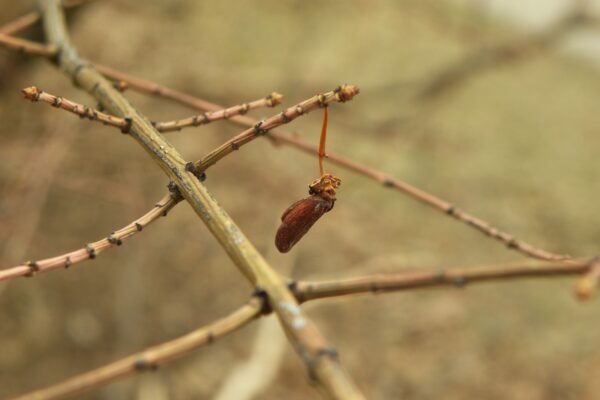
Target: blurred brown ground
{"type": "Point", "coordinates": [516, 145]}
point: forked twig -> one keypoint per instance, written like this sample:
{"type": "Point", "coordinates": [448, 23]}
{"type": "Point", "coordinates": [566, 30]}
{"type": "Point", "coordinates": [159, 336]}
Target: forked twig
{"type": "Point", "coordinates": [380, 176]}
{"type": "Point", "coordinates": [341, 94]}
{"type": "Point", "coordinates": [162, 206]}
{"type": "Point", "coordinates": [34, 94]}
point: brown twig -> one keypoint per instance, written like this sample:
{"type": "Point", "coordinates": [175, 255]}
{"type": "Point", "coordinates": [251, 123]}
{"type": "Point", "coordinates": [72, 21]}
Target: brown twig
{"type": "Point", "coordinates": [20, 23]}
{"type": "Point", "coordinates": [385, 179]}
{"type": "Point", "coordinates": [152, 358]}
{"type": "Point", "coordinates": [271, 100]}
{"type": "Point", "coordinates": [341, 94]}
{"type": "Point", "coordinates": [34, 94]}
{"type": "Point", "coordinates": [26, 46]}
{"type": "Point", "coordinates": [457, 277]}
{"type": "Point", "coordinates": [92, 250]}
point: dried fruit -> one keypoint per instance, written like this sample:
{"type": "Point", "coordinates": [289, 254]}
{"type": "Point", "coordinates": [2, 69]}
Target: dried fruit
{"type": "Point", "coordinates": [301, 216]}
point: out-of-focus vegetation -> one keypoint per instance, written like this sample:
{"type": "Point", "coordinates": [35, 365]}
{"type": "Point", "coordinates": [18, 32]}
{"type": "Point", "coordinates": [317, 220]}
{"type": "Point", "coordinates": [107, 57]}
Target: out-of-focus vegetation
{"type": "Point", "coordinates": [516, 145]}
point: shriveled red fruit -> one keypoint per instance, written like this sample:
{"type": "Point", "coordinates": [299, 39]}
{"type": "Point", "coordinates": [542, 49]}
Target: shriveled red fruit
{"type": "Point", "coordinates": [298, 219]}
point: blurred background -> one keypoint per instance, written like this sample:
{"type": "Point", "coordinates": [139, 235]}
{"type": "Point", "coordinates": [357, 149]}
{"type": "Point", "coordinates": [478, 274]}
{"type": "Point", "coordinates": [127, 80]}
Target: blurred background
{"type": "Point", "coordinates": [492, 105]}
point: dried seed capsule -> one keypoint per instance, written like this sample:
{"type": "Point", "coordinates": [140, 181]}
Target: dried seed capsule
{"type": "Point", "coordinates": [298, 219]}
{"type": "Point", "coordinates": [301, 216]}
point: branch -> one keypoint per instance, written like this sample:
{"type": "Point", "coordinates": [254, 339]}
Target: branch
{"type": "Point", "coordinates": [385, 179]}
{"type": "Point", "coordinates": [458, 277]}
{"type": "Point", "coordinates": [26, 46]}
{"type": "Point", "coordinates": [308, 342]}
{"type": "Point", "coordinates": [34, 94]}
{"type": "Point", "coordinates": [92, 250]}
{"type": "Point", "coordinates": [20, 23]}
{"type": "Point", "coordinates": [269, 101]}
{"type": "Point", "coordinates": [151, 358]}
{"type": "Point", "coordinates": [380, 176]}
{"type": "Point", "coordinates": [341, 94]}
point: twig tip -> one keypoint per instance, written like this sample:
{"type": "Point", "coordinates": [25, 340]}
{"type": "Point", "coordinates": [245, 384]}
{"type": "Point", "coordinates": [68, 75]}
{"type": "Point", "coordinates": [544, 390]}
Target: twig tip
{"type": "Point", "coordinates": [31, 93]}
{"type": "Point", "coordinates": [347, 92]}
{"type": "Point", "coordinates": [274, 99]}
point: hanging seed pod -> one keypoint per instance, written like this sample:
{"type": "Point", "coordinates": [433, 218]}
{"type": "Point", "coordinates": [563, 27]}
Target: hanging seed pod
{"type": "Point", "coordinates": [300, 216]}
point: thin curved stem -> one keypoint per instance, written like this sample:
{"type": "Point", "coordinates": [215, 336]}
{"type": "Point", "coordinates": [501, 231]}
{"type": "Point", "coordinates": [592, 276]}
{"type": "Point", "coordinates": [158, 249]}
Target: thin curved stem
{"type": "Point", "coordinates": [323, 140]}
